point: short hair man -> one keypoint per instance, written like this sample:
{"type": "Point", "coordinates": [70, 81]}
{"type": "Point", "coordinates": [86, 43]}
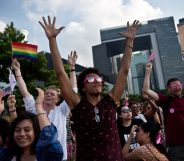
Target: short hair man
{"type": "Point", "coordinates": [174, 113]}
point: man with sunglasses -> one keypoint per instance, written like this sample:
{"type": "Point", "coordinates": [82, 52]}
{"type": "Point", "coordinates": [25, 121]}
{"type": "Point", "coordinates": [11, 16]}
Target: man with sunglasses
{"type": "Point", "coordinates": [173, 108]}
{"type": "Point", "coordinates": [94, 116]}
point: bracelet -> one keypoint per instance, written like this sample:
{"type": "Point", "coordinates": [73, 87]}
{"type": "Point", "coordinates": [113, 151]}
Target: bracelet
{"type": "Point", "coordinates": [72, 70]}
{"type": "Point", "coordinates": [18, 76]}
{"type": "Point", "coordinates": [128, 143]}
{"type": "Point", "coordinates": [130, 46]}
{"type": "Point", "coordinates": [43, 113]}
{"type": "Point", "coordinates": [12, 110]}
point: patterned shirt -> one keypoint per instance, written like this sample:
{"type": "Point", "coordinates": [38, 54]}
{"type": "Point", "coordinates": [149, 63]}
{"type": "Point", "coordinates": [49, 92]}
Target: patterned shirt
{"type": "Point", "coordinates": [149, 153]}
{"type": "Point", "coordinates": [96, 131]}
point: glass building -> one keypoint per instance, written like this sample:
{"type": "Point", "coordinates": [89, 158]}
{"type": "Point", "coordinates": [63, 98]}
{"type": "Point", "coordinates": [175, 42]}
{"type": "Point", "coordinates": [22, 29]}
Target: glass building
{"type": "Point", "coordinates": [157, 36]}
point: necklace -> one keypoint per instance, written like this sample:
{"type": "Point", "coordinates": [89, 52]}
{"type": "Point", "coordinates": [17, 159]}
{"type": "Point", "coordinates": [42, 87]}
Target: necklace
{"type": "Point", "coordinates": [97, 117]}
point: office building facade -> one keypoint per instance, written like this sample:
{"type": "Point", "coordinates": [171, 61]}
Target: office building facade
{"type": "Point", "coordinates": [157, 36]}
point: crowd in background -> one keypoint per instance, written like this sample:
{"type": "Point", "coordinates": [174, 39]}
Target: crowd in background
{"type": "Point", "coordinates": [89, 126]}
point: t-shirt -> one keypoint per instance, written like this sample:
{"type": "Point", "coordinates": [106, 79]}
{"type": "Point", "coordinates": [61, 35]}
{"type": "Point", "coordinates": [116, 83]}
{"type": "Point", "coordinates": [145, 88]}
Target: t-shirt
{"type": "Point", "coordinates": [141, 116]}
{"type": "Point", "coordinates": [174, 120]}
{"type": "Point", "coordinates": [97, 137]}
{"type": "Point", "coordinates": [57, 116]}
{"type": "Point", "coordinates": [124, 133]}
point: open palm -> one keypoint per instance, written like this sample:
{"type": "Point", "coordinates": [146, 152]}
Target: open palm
{"type": "Point", "coordinates": [131, 30]}
{"type": "Point", "coordinates": [50, 28]}
{"type": "Point", "coordinates": [72, 58]}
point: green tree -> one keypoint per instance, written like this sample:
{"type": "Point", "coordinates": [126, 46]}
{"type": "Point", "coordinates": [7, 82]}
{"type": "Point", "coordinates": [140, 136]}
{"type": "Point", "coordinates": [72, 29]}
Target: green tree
{"type": "Point", "coordinates": [34, 73]}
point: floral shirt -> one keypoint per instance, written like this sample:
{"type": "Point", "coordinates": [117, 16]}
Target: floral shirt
{"type": "Point", "coordinates": [96, 131]}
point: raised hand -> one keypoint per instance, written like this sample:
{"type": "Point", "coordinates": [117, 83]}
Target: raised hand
{"type": "Point", "coordinates": [11, 101]}
{"type": "Point", "coordinates": [39, 100]}
{"type": "Point", "coordinates": [126, 96]}
{"type": "Point", "coordinates": [50, 28]}
{"type": "Point", "coordinates": [72, 58]}
{"type": "Point", "coordinates": [148, 67]}
{"type": "Point", "coordinates": [131, 30]}
{"type": "Point", "coordinates": [1, 102]}
{"type": "Point", "coordinates": [15, 65]}
{"type": "Point", "coordinates": [132, 132]}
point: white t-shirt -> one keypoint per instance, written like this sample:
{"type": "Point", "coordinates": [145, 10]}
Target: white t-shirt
{"type": "Point", "coordinates": [57, 116]}
{"type": "Point", "coordinates": [141, 116]}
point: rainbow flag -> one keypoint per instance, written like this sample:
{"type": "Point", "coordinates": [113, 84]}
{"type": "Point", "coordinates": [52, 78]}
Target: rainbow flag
{"type": "Point", "coordinates": [26, 51]}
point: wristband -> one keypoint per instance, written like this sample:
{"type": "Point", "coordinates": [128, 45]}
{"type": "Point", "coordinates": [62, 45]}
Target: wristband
{"type": "Point", "coordinates": [39, 114]}
{"type": "Point", "coordinates": [18, 76]}
{"type": "Point", "coordinates": [130, 46]}
{"type": "Point", "coordinates": [72, 70]}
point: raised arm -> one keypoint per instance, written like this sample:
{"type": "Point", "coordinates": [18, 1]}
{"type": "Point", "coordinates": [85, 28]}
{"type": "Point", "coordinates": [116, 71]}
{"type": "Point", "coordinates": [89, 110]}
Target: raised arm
{"type": "Point", "coordinates": [1, 102]}
{"type": "Point", "coordinates": [11, 101]}
{"type": "Point", "coordinates": [125, 151]}
{"type": "Point", "coordinates": [48, 145]}
{"type": "Point", "coordinates": [146, 85]}
{"type": "Point", "coordinates": [72, 58]}
{"type": "Point", "coordinates": [42, 116]}
{"type": "Point", "coordinates": [69, 95]}
{"type": "Point", "coordinates": [121, 79]}
{"type": "Point", "coordinates": [20, 81]}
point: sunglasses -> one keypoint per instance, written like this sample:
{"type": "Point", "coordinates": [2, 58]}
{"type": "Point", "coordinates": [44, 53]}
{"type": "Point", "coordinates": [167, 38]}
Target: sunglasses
{"type": "Point", "coordinates": [93, 79]}
{"type": "Point", "coordinates": [126, 110]}
{"type": "Point", "coordinates": [178, 85]}
{"type": "Point", "coordinates": [97, 117]}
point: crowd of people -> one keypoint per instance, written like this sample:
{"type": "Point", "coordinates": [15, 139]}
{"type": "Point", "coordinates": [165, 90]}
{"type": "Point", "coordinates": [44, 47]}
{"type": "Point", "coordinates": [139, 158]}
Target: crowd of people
{"type": "Point", "coordinates": [89, 126]}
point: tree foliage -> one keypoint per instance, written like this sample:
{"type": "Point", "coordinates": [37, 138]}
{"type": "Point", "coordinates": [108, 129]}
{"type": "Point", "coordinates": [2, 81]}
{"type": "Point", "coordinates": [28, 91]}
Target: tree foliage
{"type": "Point", "coordinates": [35, 73]}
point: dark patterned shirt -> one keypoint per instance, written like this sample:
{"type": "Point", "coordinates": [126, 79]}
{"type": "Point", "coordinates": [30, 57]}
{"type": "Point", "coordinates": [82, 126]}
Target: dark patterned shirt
{"type": "Point", "coordinates": [97, 141]}
{"type": "Point", "coordinates": [174, 120]}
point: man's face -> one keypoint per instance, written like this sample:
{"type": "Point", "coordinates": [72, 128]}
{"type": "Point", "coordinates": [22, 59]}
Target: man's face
{"type": "Point", "coordinates": [175, 88]}
{"type": "Point", "coordinates": [126, 113]}
{"type": "Point", "coordinates": [51, 97]}
{"type": "Point", "coordinates": [135, 109]}
{"type": "Point", "coordinates": [93, 84]}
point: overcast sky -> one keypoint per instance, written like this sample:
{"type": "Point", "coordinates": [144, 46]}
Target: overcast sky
{"type": "Point", "coordinates": [83, 19]}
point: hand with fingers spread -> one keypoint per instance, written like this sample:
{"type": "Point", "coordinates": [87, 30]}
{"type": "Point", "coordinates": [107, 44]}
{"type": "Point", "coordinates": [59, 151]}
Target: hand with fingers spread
{"type": "Point", "coordinates": [131, 30]}
{"type": "Point", "coordinates": [72, 58]}
{"type": "Point", "coordinates": [50, 28]}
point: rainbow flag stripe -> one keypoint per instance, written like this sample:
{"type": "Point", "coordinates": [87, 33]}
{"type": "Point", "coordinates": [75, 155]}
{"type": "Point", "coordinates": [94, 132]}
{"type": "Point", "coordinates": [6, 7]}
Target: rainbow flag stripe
{"type": "Point", "coordinates": [26, 51]}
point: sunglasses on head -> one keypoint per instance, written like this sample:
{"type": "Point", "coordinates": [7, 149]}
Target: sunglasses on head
{"type": "Point", "coordinates": [91, 79]}
{"type": "Point", "coordinates": [126, 110]}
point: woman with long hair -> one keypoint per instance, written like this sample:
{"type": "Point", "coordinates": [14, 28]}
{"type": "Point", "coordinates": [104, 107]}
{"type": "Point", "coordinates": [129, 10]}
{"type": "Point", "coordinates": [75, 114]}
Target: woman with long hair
{"type": "Point", "coordinates": [33, 137]}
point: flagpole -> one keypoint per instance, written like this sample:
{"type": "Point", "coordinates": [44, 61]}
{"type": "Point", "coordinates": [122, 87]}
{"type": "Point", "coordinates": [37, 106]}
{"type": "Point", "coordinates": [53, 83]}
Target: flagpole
{"type": "Point", "coordinates": [11, 92]}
